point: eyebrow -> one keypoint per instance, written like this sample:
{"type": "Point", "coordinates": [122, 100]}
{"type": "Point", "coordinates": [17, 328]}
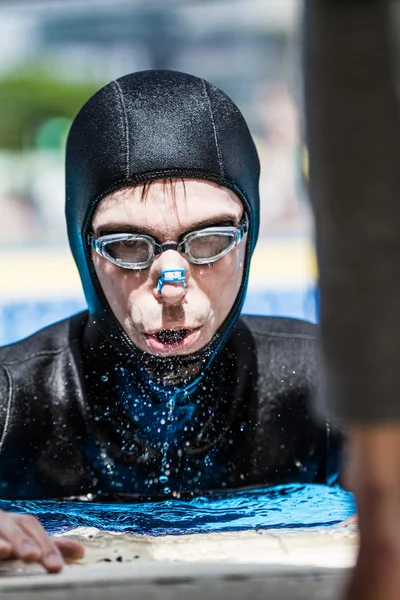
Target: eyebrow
{"type": "Point", "coordinates": [115, 227]}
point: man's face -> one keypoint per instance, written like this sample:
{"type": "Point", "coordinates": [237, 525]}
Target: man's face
{"type": "Point", "coordinates": [175, 321]}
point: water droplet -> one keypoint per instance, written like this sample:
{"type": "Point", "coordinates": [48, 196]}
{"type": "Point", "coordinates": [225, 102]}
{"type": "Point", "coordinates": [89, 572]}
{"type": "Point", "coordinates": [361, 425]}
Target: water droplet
{"type": "Point", "coordinates": [163, 479]}
{"type": "Point", "coordinates": [167, 490]}
{"type": "Point", "coordinates": [104, 378]}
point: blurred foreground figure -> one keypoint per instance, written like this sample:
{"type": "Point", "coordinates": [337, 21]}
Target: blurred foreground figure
{"type": "Point", "coordinates": [353, 135]}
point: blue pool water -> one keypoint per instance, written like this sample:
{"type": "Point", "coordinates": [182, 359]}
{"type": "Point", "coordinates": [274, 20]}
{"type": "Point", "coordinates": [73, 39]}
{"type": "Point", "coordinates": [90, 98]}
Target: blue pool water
{"type": "Point", "coordinates": [277, 507]}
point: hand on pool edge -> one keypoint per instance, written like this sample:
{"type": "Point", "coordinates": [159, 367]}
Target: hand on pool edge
{"type": "Point", "coordinates": [23, 537]}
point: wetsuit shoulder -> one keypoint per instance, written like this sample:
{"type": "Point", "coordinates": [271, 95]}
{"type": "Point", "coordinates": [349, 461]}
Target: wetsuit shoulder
{"type": "Point", "coordinates": [52, 339]}
{"type": "Point", "coordinates": [41, 411]}
{"type": "Point", "coordinates": [278, 326]}
{"type": "Point", "coordinates": [283, 343]}
{"type": "Point", "coordinates": [280, 345]}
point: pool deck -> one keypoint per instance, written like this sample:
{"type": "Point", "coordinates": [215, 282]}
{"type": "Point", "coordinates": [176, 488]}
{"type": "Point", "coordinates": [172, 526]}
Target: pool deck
{"type": "Point", "coordinates": [267, 564]}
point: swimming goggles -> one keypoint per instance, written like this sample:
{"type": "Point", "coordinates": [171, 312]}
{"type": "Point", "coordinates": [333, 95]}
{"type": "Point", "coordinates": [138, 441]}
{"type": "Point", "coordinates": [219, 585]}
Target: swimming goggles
{"type": "Point", "coordinates": [137, 251]}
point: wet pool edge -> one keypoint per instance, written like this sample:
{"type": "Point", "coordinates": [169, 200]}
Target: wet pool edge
{"type": "Point", "coordinates": [276, 564]}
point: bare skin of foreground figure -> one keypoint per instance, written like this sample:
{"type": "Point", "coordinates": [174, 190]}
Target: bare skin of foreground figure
{"type": "Point", "coordinates": [374, 472]}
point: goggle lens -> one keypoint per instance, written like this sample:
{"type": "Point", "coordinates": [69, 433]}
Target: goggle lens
{"type": "Point", "coordinates": [210, 246]}
{"type": "Point", "coordinates": [131, 250]}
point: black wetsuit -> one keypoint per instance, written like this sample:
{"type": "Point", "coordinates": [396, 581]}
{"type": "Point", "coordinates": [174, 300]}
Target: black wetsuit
{"type": "Point", "coordinates": [75, 420]}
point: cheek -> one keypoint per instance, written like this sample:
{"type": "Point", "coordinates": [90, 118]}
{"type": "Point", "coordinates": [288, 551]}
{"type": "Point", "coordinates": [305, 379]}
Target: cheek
{"type": "Point", "coordinates": [117, 284]}
{"type": "Point", "coordinates": [221, 280]}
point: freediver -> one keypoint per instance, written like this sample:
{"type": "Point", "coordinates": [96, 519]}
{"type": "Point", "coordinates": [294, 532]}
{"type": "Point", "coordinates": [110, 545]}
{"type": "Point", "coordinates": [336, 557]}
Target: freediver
{"type": "Point", "coordinates": [160, 389]}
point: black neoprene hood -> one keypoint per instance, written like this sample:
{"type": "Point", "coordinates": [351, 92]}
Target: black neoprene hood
{"type": "Point", "coordinates": [154, 125]}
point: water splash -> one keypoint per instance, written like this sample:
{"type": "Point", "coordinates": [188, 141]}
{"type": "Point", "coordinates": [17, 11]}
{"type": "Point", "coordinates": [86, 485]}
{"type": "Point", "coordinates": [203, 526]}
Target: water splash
{"type": "Point", "coordinates": [278, 507]}
{"type": "Point", "coordinates": [169, 424]}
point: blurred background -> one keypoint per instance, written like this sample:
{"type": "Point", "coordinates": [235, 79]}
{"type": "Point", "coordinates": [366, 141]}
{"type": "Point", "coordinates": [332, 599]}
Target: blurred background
{"type": "Point", "coordinates": [55, 54]}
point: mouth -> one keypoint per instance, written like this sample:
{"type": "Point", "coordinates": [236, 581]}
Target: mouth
{"type": "Point", "coordinates": [172, 340]}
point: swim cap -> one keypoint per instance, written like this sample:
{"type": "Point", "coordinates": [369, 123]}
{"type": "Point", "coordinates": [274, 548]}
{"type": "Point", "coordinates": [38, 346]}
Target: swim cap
{"type": "Point", "coordinates": [154, 125]}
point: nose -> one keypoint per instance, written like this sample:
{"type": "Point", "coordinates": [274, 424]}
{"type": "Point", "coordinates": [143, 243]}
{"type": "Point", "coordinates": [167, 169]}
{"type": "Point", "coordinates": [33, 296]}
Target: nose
{"type": "Point", "coordinates": [173, 293]}
{"type": "Point", "coordinates": [171, 266]}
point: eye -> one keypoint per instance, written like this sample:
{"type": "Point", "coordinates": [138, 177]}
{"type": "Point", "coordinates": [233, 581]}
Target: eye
{"type": "Point", "coordinates": [130, 250]}
{"type": "Point", "coordinates": [212, 245]}
{"type": "Point", "coordinates": [129, 243]}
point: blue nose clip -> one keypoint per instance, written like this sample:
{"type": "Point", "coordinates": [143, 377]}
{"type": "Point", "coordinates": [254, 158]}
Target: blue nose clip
{"type": "Point", "coordinates": [171, 276]}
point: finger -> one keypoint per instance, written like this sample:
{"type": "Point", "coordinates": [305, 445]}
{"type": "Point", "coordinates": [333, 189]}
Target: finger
{"type": "Point", "coordinates": [22, 543]}
{"type": "Point", "coordinates": [353, 520]}
{"type": "Point", "coordinates": [70, 549]}
{"type": "Point", "coordinates": [50, 556]}
{"type": "Point", "coordinates": [6, 550]}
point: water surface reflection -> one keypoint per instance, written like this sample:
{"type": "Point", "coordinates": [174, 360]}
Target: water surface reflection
{"type": "Point", "coordinates": [277, 507]}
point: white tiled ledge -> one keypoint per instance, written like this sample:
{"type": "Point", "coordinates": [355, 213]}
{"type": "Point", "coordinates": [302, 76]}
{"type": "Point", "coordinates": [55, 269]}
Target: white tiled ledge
{"type": "Point", "coordinates": [272, 564]}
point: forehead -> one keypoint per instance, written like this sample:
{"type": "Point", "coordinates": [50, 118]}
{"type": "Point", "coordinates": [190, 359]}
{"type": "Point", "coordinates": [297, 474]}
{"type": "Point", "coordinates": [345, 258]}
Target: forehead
{"type": "Point", "coordinates": [181, 203]}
